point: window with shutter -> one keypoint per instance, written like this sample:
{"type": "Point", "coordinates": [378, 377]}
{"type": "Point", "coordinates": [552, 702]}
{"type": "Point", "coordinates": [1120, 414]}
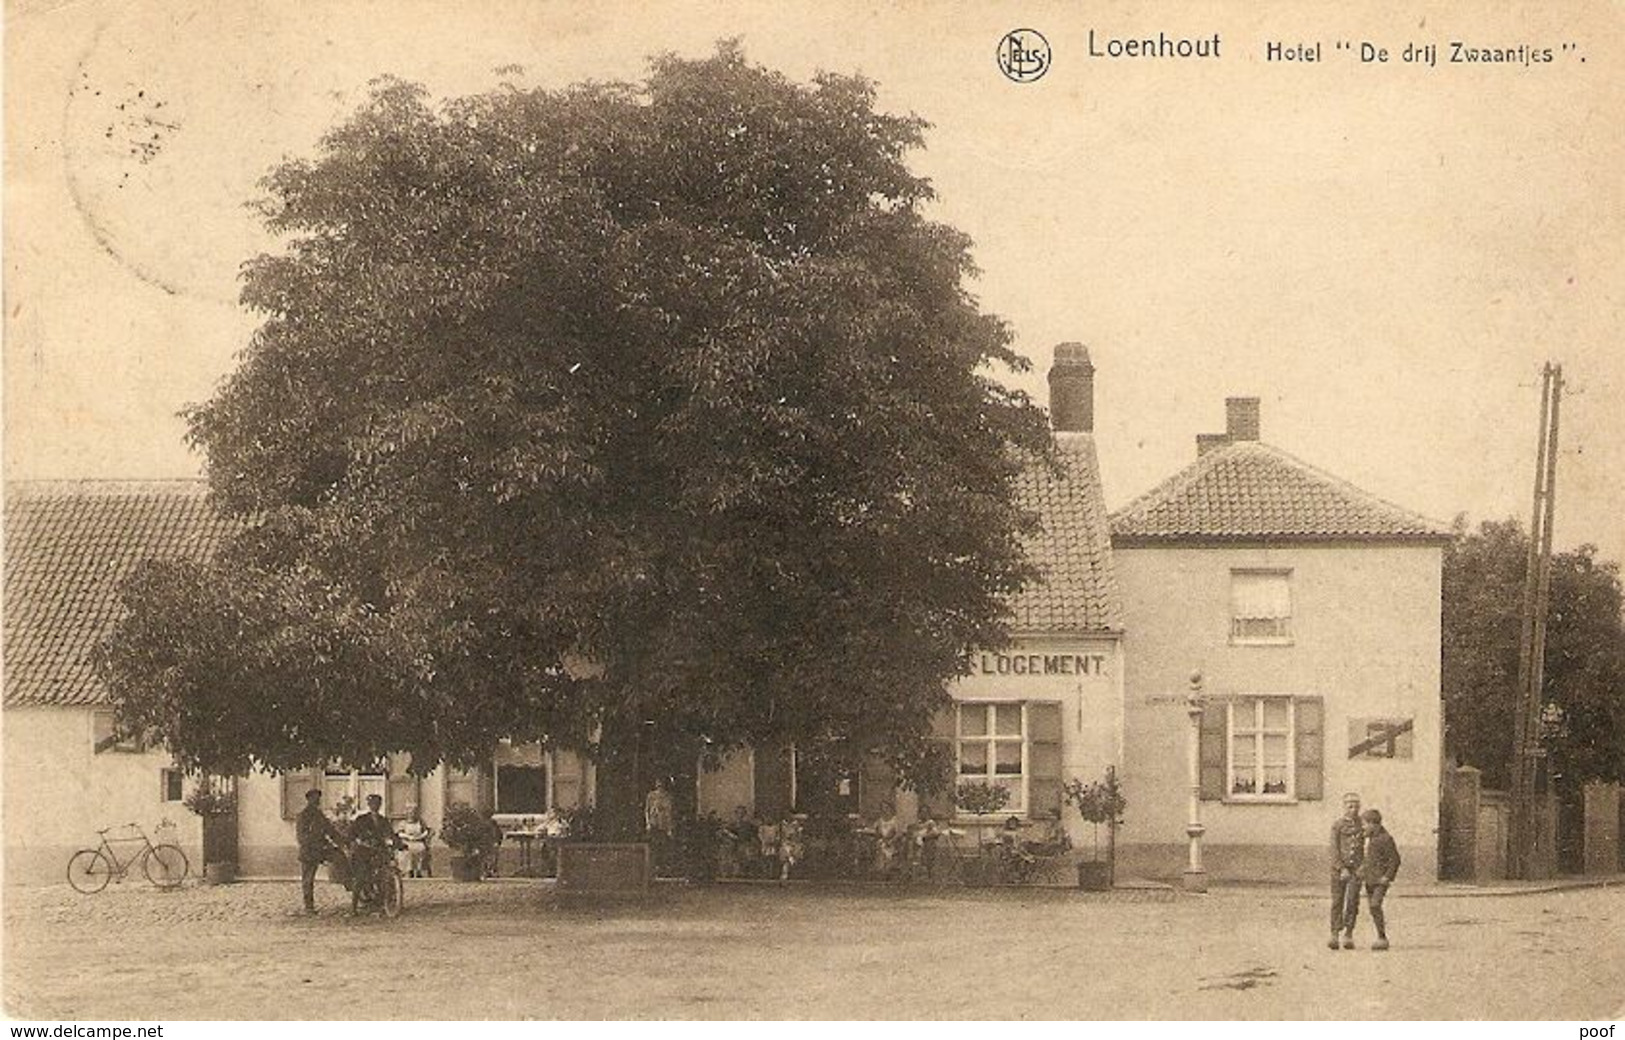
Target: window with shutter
{"type": "Point", "coordinates": [403, 789]}
{"type": "Point", "coordinates": [1310, 748]}
{"type": "Point", "coordinates": [1044, 759]}
{"type": "Point", "coordinates": [1263, 749]}
{"type": "Point", "coordinates": [343, 786]}
{"type": "Point", "coordinates": [569, 779]}
{"type": "Point", "coordinates": [1214, 751]}
{"type": "Point", "coordinates": [467, 787]}
{"type": "Point", "coordinates": [294, 788]}
{"type": "Point", "coordinates": [1261, 746]}
{"type": "Point", "coordinates": [992, 748]}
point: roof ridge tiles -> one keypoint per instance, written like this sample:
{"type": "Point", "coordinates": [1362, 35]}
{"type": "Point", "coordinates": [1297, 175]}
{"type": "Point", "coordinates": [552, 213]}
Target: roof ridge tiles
{"type": "Point", "coordinates": [1226, 494]}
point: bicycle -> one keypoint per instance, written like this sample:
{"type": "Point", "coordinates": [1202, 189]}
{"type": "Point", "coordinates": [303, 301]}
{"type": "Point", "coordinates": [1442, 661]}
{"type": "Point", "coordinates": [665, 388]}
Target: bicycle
{"type": "Point", "coordinates": [376, 882]}
{"type": "Point", "coordinates": [89, 870]}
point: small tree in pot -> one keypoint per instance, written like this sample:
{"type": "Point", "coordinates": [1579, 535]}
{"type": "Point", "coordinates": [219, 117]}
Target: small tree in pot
{"type": "Point", "coordinates": [469, 832]}
{"type": "Point", "coordinates": [1098, 802]}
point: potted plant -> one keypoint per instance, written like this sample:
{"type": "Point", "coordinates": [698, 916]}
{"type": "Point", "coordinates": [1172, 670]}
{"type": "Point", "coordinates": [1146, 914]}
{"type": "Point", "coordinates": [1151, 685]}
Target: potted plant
{"type": "Point", "coordinates": [979, 798]}
{"type": "Point", "coordinates": [215, 803]}
{"type": "Point", "coordinates": [469, 832]}
{"type": "Point", "coordinates": [1098, 802]}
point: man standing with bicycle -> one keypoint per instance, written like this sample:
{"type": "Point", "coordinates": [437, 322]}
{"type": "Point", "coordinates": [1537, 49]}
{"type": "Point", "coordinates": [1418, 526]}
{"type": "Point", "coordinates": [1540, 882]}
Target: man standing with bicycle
{"type": "Point", "coordinates": [318, 840]}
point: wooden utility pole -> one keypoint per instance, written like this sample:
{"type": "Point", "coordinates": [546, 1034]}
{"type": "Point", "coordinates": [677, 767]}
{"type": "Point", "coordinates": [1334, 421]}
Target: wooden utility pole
{"type": "Point", "coordinates": [1526, 747]}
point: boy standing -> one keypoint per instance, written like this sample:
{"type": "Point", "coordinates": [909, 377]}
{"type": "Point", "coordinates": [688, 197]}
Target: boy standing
{"type": "Point", "coordinates": [1378, 865]}
{"type": "Point", "coordinates": [1348, 846]}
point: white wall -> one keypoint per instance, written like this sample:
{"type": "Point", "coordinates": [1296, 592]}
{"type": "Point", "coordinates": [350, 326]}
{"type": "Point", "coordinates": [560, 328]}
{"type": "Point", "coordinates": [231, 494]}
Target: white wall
{"type": "Point", "coordinates": [58, 793]}
{"type": "Point", "coordinates": [728, 788]}
{"type": "Point", "coordinates": [1365, 639]}
{"type": "Point", "coordinates": [1091, 705]}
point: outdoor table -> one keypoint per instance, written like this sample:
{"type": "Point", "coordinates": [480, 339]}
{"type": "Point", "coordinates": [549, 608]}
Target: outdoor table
{"type": "Point", "coordinates": [526, 840]}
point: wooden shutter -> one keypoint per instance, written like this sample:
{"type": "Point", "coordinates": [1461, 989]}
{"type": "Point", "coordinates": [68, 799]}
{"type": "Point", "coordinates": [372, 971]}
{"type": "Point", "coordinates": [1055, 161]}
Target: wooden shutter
{"type": "Point", "coordinates": [1309, 748]}
{"type": "Point", "coordinates": [877, 787]}
{"type": "Point", "coordinates": [1044, 760]}
{"type": "Point", "coordinates": [772, 766]}
{"type": "Point", "coordinates": [569, 779]}
{"type": "Point", "coordinates": [294, 786]}
{"type": "Point", "coordinates": [939, 804]}
{"type": "Point", "coordinates": [402, 789]}
{"type": "Point", "coordinates": [1214, 752]}
{"type": "Point", "coordinates": [467, 787]}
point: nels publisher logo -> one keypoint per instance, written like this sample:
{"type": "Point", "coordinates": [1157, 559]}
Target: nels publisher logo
{"type": "Point", "coordinates": [1024, 55]}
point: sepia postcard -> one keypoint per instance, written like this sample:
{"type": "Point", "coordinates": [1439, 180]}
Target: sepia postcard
{"type": "Point", "coordinates": [828, 510]}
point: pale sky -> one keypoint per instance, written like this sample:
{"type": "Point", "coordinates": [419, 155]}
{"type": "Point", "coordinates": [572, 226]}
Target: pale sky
{"type": "Point", "coordinates": [1385, 254]}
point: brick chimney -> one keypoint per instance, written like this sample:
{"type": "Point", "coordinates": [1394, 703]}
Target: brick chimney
{"type": "Point", "coordinates": [1072, 390]}
{"type": "Point", "coordinates": [1206, 442]}
{"type": "Point", "coordinates": [1241, 418]}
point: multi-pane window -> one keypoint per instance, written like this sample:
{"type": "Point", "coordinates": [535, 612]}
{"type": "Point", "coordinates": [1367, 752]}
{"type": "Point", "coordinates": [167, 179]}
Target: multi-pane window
{"type": "Point", "coordinates": [992, 749]}
{"type": "Point", "coordinates": [1260, 606]}
{"type": "Point", "coordinates": [1260, 763]}
{"type": "Point", "coordinates": [339, 783]}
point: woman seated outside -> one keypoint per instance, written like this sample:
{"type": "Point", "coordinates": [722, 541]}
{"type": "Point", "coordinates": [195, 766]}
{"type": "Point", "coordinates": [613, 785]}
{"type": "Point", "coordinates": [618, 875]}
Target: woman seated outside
{"type": "Point", "coordinates": [414, 834]}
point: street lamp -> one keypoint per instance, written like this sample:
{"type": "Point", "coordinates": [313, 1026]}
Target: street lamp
{"type": "Point", "coordinates": [1195, 874]}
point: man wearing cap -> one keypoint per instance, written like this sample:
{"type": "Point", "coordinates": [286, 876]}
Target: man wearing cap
{"type": "Point", "coordinates": [1348, 846]}
{"type": "Point", "coordinates": [317, 840]}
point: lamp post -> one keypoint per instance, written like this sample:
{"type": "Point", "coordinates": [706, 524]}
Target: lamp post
{"type": "Point", "coordinates": [1195, 874]}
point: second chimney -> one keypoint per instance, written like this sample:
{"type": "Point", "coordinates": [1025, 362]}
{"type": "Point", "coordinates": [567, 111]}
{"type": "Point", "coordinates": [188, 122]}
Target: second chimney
{"type": "Point", "coordinates": [1241, 418]}
{"type": "Point", "coordinates": [1072, 389]}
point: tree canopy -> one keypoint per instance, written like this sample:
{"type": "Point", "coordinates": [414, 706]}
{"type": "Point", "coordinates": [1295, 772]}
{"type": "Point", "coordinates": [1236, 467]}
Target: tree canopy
{"type": "Point", "coordinates": [1583, 696]}
{"type": "Point", "coordinates": [612, 409]}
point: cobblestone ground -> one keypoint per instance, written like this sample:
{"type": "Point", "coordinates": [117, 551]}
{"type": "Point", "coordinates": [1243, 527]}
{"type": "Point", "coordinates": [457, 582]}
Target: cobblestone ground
{"type": "Point", "coordinates": [509, 950]}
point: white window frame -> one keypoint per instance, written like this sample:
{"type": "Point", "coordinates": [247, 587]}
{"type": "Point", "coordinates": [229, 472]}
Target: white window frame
{"type": "Point", "coordinates": [548, 768]}
{"type": "Point", "coordinates": [1258, 730]}
{"type": "Point", "coordinates": [375, 783]}
{"type": "Point", "coordinates": [992, 739]}
{"type": "Point", "coordinates": [164, 775]}
{"type": "Point", "coordinates": [1281, 638]}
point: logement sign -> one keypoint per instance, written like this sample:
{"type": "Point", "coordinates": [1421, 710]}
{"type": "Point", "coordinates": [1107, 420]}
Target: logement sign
{"type": "Point", "coordinates": [1038, 664]}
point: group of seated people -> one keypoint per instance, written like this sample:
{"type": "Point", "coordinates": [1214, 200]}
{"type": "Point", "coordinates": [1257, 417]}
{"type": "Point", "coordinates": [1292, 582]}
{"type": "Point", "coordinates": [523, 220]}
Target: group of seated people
{"type": "Point", "coordinates": [887, 847]}
{"type": "Point", "coordinates": [749, 848]}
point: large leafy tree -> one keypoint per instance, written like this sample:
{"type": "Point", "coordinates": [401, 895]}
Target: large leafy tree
{"type": "Point", "coordinates": [1583, 696]}
{"type": "Point", "coordinates": [646, 415]}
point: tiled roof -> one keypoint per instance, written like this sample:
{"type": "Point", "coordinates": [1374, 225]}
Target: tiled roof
{"type": "Point", "coordinates": [1249, 491]}
{"type": "Point", "coordinates": [67, 547]}
{"type": "Point", "coordinates": [1078, 592]}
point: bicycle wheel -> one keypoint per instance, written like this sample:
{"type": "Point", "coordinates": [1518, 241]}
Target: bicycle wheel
{"type": "Point", "coordinates": [392, 893]}
{"type": "Point", "coordinates": [89, 871]}
{"type": "Point", "coordinates": [165, 866]}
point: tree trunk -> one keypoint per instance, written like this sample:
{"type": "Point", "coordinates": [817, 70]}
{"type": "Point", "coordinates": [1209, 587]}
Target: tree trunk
{"type": "Point", "coordinates": [1111, 852]}
{"type": "Point", "coordinates": [620, 786]}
